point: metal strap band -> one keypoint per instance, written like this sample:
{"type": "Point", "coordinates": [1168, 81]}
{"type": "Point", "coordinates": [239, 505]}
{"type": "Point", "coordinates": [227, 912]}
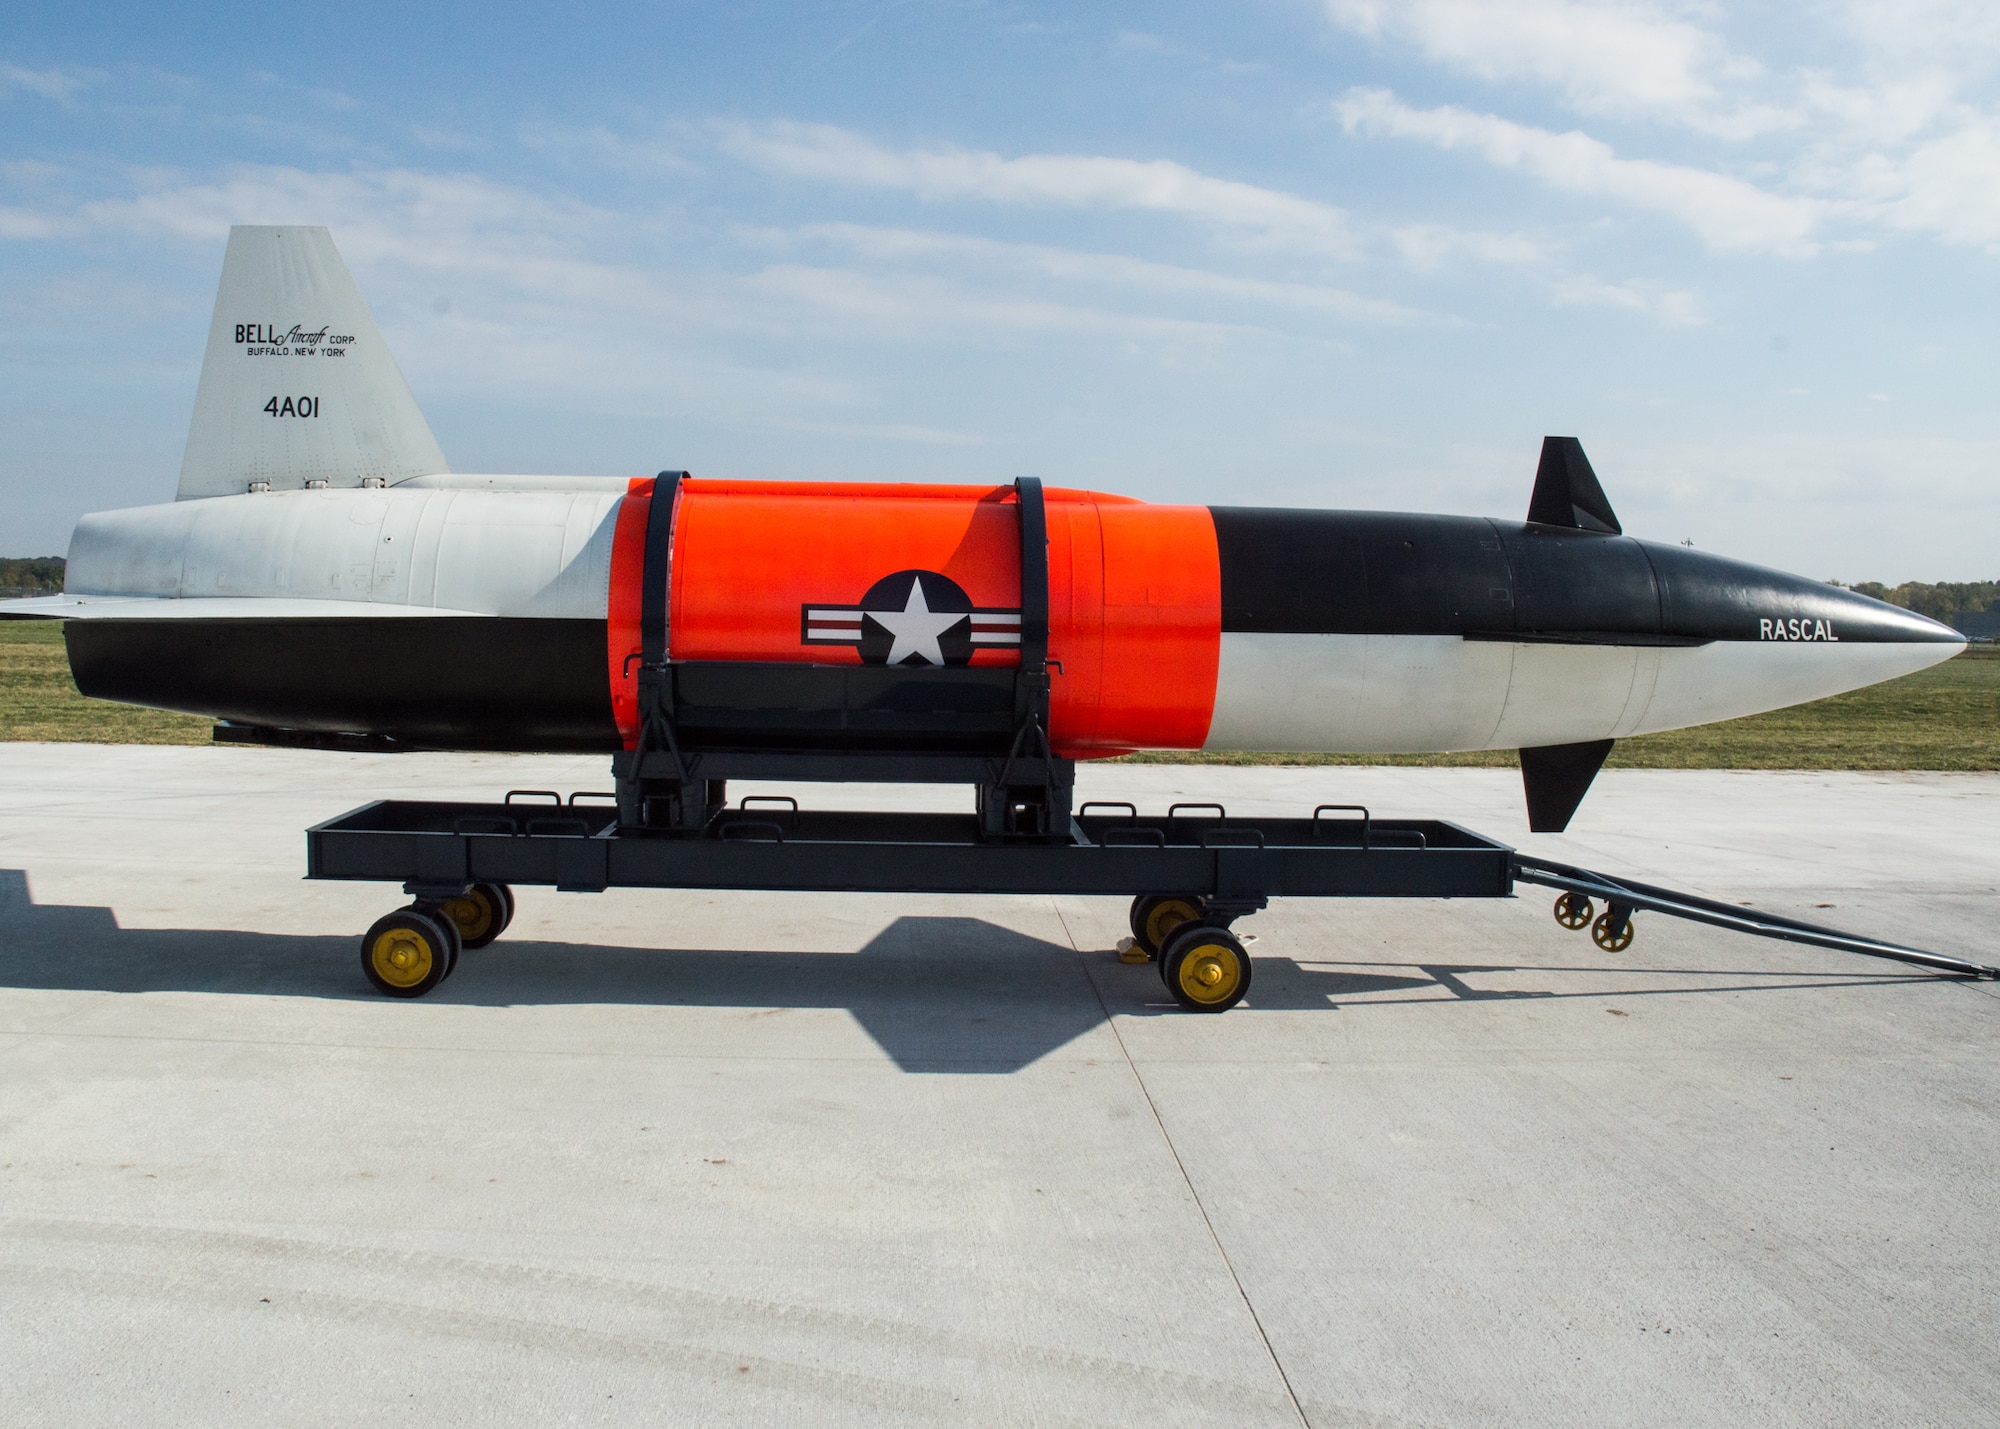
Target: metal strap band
{"type": "Point", "coordinates": [659, 560]}
{"type": "Point", "coordinates": [1034, 576]}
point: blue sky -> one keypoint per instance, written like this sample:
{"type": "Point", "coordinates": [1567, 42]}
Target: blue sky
{"type": "Point", "coordinates": [1345, 253]}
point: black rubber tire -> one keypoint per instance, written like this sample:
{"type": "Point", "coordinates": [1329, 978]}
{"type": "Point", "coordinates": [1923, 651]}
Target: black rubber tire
{"type": "Point", "coordinates": [506, 902]}
{"type": "Point", "coordinates": [454, 939]}
{"type": "Point", "coordinates": [480, 914]}
{"type": "Point", "coordinates": [407, 953]}
{"type": "Point", "coordinates": [1146, 930]}
{"type": "Point", "coordinates": [1197, 950]}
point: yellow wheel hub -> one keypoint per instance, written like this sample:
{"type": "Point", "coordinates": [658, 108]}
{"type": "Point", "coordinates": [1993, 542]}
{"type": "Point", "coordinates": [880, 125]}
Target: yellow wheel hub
{"type": "Point", "coordinates": [1612, 940]}
{"type": "Point", "coordinates": [402, 957]}
{"type": "Point", "coordinates": [1211, 973]}
{"type": "Point", "coordinates": [1573, 910]}
{"type": "Point", "coordinates": [472, 914]}
{"type": "Point", "coordinates": [1167, 916]}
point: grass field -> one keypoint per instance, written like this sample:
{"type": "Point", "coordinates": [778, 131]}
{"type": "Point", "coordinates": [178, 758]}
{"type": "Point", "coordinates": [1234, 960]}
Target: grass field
{"type": "Point", "coordinates": [38, 700]}
{"type": "Point", "coordinates": [1947, 717]}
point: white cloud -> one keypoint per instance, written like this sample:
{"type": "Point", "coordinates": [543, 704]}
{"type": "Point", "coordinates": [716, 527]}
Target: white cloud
{"type": "Point", "coordinates": [17, 222]}
{"type": "Point", "coordinates": [1108, 269]}
{"type": "Point", "coordinates": [1960, 35]}
{"type": "Point", "coordinates": [1144, 43]}
{"type": "Point", "coordinates": [537, 312]}
{"type": "Point", "coordinates": [1728, 212]}
{"type": "Point", "coordinates": [1429, 246]}
{"type": "Point", "coordinates": [1669, 307]}
{"type": "Point", "coordinates": [1888, 111]}
{"type": "Point", "coordinates": [646, 158]}
{"type": "Point", "coordinates": [1894, 130]}
{"type": "Point", "coordinates": [449, 140]}
{"type": "Point", "coordinates": [1796, 500]}
{"type": "Point", "coordinates": [1949, 186]}
{"type": "Point", "coordinates": [1079, 181]}
{"type": "Point", "coordinates": [891, 432]}
{"type": "Point", "coordinates": [465, 229]}
{"type": "Point", "coordinates": [917, 303]}
{"type": "Point", "coordinates": [1603, 56]}
{"type": "Point", "coordinates": [58, 86]}
{"type": "Point", "coordinates": [430, 219]}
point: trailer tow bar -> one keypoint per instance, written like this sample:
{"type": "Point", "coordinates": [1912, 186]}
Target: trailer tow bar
{"type": "Point", "coordinates": [1623, 897]}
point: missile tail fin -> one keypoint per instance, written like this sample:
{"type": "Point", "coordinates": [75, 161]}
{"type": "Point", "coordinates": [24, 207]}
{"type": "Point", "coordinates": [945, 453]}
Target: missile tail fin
{"type": "Point", "coordinates": [1556, 777]}
{"type": "Point", "coordinates": [1566, 490]}
{"type": "Point", "coordinates": [297, 384]}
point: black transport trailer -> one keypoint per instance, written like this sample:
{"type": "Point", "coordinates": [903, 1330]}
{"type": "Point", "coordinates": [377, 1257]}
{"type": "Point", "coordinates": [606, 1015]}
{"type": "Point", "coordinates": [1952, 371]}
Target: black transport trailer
{"type": "Point", "coordinates": [1191, 873]}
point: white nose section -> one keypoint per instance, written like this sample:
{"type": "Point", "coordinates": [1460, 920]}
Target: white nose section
{"type": "Point", "coordinates": [1731, 678]}
{"type": "Point", "coordinates": [1382, 694]}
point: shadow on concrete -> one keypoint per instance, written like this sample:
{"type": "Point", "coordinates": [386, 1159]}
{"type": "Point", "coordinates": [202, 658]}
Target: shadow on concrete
{"type": "Point", "coordinates": [936, 994]}
{"type": "Point", "coordinates": [1288, 985]}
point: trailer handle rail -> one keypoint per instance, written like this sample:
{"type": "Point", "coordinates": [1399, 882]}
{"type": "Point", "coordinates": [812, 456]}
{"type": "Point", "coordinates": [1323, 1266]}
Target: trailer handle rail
{"type": "Point", "coordinates": [1367, 819]}
{"type": "Point", "coordinates": [783, 804]}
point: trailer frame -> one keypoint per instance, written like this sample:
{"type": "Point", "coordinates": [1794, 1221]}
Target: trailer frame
{"type": "Point", "coordinates": [1191, 872]}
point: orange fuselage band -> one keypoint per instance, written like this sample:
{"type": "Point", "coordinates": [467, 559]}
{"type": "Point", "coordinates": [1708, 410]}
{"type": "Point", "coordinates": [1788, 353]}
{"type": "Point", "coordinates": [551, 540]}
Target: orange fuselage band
{"type": "Point", "coordinates": [788, 572]}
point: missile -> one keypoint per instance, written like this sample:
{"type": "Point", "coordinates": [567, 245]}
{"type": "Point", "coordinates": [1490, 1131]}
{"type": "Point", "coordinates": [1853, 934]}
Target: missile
{"type": "Point", "coordinates": [323, 573]}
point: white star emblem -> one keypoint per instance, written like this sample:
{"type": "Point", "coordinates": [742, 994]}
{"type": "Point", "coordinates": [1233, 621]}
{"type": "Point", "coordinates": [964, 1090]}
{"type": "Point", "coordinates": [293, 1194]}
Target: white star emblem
{"type": "Point", "coordinates": [916, 627]}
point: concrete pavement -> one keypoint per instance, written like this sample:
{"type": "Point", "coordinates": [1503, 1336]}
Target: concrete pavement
{"type": "Point", "coordinates": [719, 1158]}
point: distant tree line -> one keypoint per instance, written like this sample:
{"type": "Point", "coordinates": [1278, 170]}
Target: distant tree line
{"type": "Point", "coordinates": [1941, 601]}
{"type": "Point", "coordinates": [31, 575]}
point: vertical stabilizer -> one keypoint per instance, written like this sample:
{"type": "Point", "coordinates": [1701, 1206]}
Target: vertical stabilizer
{"type": "Point", "coordinates": [1567, 492]}
{"type": "Point", "coordinates": [297, 385]}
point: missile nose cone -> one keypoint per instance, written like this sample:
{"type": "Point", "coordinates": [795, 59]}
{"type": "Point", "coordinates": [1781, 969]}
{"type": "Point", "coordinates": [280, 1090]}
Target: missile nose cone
{"type": "Point", "coordinates": [1718, 598]}
{"type": "Point", "coordinates": [1893, 622]}
{"type": "Point", "coordinates": [1765, 639]}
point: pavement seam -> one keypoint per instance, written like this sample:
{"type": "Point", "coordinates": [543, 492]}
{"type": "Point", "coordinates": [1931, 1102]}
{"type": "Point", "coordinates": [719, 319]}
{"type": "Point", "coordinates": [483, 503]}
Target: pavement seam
{"type": "Point", "coordinates": [755, 1317]}
{"type": "Point", "coordinates": [49, 1030]}
{"type": "Point", "coordinates": [1181, 1166]}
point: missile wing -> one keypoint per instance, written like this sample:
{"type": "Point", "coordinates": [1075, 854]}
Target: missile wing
{"type": "Point", "coordinates": [323, 574]}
